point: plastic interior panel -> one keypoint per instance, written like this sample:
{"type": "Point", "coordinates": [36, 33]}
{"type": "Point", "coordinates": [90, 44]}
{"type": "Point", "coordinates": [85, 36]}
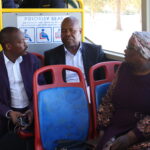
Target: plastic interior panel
{"type": "Point", "coordinates": [101, 92]}
{"type": "Point", "coordinates": [10, 19]}
{"type": "Point", "coordinates": [58, 122]}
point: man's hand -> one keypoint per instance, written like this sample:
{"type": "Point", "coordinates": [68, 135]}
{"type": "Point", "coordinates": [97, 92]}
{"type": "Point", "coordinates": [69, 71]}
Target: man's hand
{"type": "Point", "coordinates": [29, 114]}
{"type": "Point", "coordinates": [14, 115]}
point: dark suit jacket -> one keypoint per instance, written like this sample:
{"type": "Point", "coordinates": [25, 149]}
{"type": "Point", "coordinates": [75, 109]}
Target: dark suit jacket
{"type": "Point", "coordinates": [28, 66]}
{"type": "Point", "coordinates": [91, 54]}
{"type": "Point", "coordinates": [8, 4]}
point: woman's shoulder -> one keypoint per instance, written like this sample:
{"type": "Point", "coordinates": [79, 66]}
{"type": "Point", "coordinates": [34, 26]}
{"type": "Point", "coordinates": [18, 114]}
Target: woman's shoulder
{"type": "Point", "coordinates": [124, 67]}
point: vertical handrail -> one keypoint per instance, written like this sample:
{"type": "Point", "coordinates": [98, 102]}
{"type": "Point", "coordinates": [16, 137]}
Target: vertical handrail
{"type": "Point", "coordinates": [82, 18]}
{"type": "Point", "coordinates": [1, 23]}
{"type": "Point", "coordinates": [81, 3]}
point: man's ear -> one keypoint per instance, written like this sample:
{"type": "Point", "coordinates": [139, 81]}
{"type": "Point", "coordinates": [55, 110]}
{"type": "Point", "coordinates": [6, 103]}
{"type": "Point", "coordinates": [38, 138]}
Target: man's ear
{"type": "Point", "coordinates": [80, 30]}
{"type": "Point", "coordinates": [8, 46]}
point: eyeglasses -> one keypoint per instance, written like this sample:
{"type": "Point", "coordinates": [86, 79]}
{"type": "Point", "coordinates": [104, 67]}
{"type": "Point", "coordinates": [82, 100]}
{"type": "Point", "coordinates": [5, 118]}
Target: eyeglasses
{"type": "Point", "coordinates": [69, 30]}
{"type": "Point", "coordinates": [130, 48]}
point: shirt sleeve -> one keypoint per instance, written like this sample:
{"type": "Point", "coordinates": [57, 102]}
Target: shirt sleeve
{"type": "Point", "coordinates": [7, 116]}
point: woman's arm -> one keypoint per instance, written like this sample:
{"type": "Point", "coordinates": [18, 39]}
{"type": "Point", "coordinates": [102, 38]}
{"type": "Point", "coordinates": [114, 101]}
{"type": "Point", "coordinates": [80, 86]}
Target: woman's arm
{"type": "Point", "coordinates": [139, 134]}
{"type": "Point", "coordinates": [106, 107]}
{"type": "Point", "coordinates": [142, 129]}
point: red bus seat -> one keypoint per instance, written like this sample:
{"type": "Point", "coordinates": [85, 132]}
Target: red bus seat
{"type": "Point", "coordinates": [61, 110]}
{"type": "Point", "coordinates": [98, 88]}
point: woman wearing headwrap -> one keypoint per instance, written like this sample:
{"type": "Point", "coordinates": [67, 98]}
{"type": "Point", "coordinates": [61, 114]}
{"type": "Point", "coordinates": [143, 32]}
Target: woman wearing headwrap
{"type": "Point", "coordinates": [124, 114]}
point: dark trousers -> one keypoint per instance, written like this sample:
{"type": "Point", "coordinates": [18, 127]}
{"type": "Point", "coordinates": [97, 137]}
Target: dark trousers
{"type": "Point", "coordinates": [10, 140]}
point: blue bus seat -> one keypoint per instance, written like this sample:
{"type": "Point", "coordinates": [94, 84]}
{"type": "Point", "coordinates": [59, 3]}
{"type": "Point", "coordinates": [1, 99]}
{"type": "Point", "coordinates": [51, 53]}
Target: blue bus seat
{"type": "Point", "coordinates": [98, 88]}
{"type": "Point", "coordinates": [61, 109]}
{"type": "Point", "coordinates": [100, 91]}
{"type": "Point", "coordinates": [62, 116]}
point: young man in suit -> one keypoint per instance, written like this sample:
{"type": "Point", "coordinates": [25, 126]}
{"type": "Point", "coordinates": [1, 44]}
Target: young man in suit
{"type": "Point", "coordinates": [16, 74]}
{"type": "Point", "coordinates": [74, 52]}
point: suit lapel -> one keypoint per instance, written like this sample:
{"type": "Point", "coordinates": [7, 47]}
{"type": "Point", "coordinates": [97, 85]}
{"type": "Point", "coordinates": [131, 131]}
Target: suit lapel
{"type": "Point", "coordinates": [4, 81]}
{"type": "Point", "coordinates": [85, 59]}
{"type": "Point", "coordinates": [62, 55]}
{"type": "Point", "coordinates": [26, 72]}
{"type": "Point", "coordinates": [62, 60]}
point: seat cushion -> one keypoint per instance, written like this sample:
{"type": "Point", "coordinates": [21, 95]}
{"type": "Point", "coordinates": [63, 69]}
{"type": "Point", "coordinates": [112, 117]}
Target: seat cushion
{"type": "Point", "coordinates": [63, 115]}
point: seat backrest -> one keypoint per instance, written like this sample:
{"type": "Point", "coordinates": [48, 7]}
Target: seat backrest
{"type": "Point", "coordinates": [61, 109]}
{"type": "Point", "coordinates": [98, 88]}
{"type": "Point", "coordinates": [100, 91]}
{"type": "Point", "coordinates": [40, 57]}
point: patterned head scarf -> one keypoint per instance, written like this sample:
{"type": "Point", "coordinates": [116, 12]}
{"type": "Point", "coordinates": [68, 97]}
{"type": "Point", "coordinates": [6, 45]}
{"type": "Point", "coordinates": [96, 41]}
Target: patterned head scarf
{"type": "Point", "coordinates": [140, 41]}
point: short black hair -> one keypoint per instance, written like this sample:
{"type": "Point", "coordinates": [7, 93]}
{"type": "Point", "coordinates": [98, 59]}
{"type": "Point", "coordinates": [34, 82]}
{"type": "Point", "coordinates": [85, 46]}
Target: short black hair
{"type": "Point", "coordinates": [5, 34]}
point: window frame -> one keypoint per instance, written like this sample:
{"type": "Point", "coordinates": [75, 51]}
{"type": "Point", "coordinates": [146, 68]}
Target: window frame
{"type": "Point", "coordinates": [145, 17]}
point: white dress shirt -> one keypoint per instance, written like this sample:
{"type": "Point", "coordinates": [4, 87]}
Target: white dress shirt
{"type": "Point", "coordinates": [19, 98]}
{"type": "Point", "coordinates": [76, 61]}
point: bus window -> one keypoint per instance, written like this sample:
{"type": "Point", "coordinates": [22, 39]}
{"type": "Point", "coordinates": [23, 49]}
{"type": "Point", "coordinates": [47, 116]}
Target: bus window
{"type": "Point", "coordinates": [111, 22]}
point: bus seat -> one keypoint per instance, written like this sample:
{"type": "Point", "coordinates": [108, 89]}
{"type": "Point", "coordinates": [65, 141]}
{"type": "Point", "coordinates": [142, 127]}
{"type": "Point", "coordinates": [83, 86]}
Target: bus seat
{"type": "Point", "coordinates": [100, 91]}
{"type": "Point", "coordinates": [61, 110]}
{"type": "Point", "coordinates": [41, 57]}
{"type": "Point", "coordinates": [98, 88]}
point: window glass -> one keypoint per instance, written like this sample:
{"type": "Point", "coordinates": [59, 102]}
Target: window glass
{"type": "Point", "coordinates": [110, 23]}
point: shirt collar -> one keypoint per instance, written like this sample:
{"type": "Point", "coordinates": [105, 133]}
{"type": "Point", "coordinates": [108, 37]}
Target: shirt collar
{"type": "Point", "coordinates": [79, 49]}
{"type": "Point", "coordinates": [19, 59]}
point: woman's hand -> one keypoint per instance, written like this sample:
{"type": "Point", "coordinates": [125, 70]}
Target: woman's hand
{"type": "Point", "coordinates": [101, 133]}
{"type": "Point", "coordinates": [123, 142]}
